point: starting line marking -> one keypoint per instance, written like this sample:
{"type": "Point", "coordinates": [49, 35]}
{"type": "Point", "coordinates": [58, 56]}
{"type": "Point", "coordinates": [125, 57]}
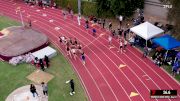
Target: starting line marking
{"type": "Point", "coordinates": [51, 20]}
{"type": "Point", "coordinates": [121, 66]}
{"type": "Point", "coordinates": [111, 47]}
{"type": "Point", "coordinates": [133, 94]}
{"type": "Point", "coordinates": [101, 34]}
{"type": "Point", "coordinates": [57, 28]}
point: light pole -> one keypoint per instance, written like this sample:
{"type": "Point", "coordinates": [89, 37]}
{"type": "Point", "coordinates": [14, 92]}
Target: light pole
{"type": "Point", "coordinates": [20, 13]}
{"type": "Point", "coordinates": [79, 7]}
{"type": "Point", "coordinates": [21, 18]}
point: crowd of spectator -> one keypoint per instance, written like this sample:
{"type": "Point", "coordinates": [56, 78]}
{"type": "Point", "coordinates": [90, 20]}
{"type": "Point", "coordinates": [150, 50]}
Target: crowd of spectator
{"type": "Point", "coordinates": [42, 63]}
{"type": "Point", "coordinates": [41, 3]}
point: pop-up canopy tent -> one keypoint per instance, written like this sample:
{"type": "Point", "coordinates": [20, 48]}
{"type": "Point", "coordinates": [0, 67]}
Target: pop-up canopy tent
{"type": "Point", "coordinates": [146, 30]}
{"type": "Point", "coordinates": [167, 42]}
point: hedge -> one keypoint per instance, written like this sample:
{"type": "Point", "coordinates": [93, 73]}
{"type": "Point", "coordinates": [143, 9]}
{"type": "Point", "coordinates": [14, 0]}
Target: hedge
{"type": "Point", "coordinates": [89, 8]}
{"type": "Point", "coordinates": [61, 3]}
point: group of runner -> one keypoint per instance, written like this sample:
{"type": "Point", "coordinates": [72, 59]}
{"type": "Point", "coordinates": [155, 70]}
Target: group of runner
{"type": "Point", "coordinates": [73, 47]}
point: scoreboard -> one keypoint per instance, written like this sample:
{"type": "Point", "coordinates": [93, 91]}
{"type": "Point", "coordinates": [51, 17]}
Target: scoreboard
{"type": "Point", "coordinates": [163, 94]}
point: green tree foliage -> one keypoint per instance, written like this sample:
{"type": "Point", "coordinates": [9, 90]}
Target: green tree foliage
{"type": "Point", "coordinates": [118, 7]}
{"type": "Point", "coordinates": [103, 6]}
{"type": "Point", "coordinates": [174, 15]}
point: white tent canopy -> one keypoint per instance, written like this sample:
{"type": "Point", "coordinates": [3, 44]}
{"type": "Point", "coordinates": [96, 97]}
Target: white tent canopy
{"type": "Point", "coordinates": [146, 30]}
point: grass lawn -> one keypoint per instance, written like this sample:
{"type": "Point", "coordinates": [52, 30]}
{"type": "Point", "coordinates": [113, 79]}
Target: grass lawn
{"type": "Point", "coordinates": [169, 70]}
{"type": "Point", "coordinates": [7, 22]}
{"type": "Point", "coordinates": [13, 77]}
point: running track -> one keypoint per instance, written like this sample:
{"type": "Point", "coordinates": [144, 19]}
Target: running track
{"type": "Point", "coordinates": [101, 77]}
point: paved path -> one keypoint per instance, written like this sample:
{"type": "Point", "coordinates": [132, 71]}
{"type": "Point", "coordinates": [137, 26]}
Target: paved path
{"type": "Point", "coordinates": [24, 94]}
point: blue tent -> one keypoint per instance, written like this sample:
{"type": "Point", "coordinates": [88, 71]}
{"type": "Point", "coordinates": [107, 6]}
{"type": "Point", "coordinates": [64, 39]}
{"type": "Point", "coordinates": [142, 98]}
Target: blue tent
{"type": "Point", "coordinates": [167, 42]}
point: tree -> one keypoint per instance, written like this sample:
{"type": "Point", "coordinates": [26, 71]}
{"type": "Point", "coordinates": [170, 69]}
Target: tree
{"type": "Point", "coordinates": [174, 15]}
{"type": "Point", "coordinates": [119, 7]}
{"type": "Point", "coordinates": [103, 6]}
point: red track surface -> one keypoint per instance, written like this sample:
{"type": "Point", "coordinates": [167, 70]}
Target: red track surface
{"type": "Point", "coordinates": [101, 78]}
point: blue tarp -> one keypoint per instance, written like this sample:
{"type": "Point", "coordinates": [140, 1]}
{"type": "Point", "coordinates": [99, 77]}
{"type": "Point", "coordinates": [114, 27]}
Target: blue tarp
{"type": "Point", "coordinates": [167, 42]}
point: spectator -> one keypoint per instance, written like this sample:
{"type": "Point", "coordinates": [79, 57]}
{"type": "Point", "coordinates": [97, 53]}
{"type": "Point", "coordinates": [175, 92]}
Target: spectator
{"type": "Point", "coordinates": [113, 33]}
{"type": "Point", "coordinates": [27, 1]}
{"type": "Point", "coordinates": [103, 22]}
{"type": "Point", "coordinates": [33, 90]}
{"type": "Point", "coordinates": [131, 40]}
{"type": "Point", "coordinates": [54, 5]}
{"type": "Point", "coordinates": [91, 18]}
{"type": "Point", "coordinates": [174, 70]}
{"type": "Point", "coordinates": [94, 19]}
{"type": "Point", "coordinates": [120, 32]}
{"type": "Point", "coordinates": [145, 51]}
{"type": "Point", "coordinates": [40, 3]}
{"type": "Point", "coordinates": [99, 21]}
{"type": "Point", "coordinates": [36, 61]}
{"type": "Point", "coordinates": [64, 14]}
{"type": "Point", "coordinates": [46, 59]}
{"type": "Point", "coordinates": [110, 25]}
{"type": "Point", "coordinates": [120, 20]}
{"type": "Point", "coordinates": [72, 86]}
{"type": "Point", "coordinates": [41, 64]}
{"type": "Point", "coordinates": [45, 88]}
{"type": "Point", "coordinates": [87, 24]}
{"type": "Point", "coordinates": [94, 31]}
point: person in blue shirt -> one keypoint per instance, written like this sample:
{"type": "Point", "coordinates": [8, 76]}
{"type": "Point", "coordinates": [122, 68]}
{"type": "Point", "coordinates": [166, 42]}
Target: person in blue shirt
{"type": "Point", "coordinates": [94, 31]}
{"type": "Point", "coordinates": [175, 68]}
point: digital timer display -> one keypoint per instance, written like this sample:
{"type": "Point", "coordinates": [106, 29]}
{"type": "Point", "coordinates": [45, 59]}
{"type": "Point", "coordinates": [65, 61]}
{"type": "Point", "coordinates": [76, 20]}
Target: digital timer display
{"type": "Point", "coordinates": [163, 93]}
